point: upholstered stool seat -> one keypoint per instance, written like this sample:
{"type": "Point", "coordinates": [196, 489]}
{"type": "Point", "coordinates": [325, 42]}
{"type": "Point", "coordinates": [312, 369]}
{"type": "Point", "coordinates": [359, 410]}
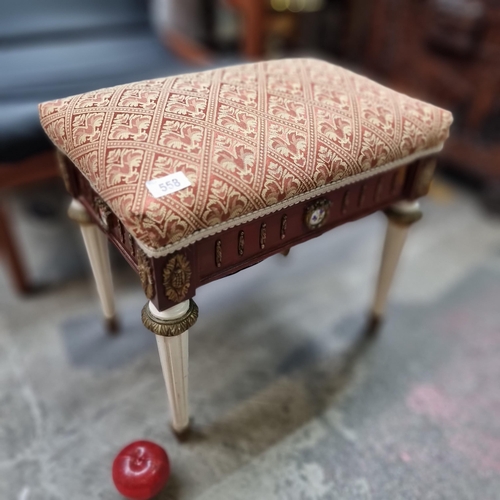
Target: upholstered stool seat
{"type": "Point", "coordinates": [198, 176]}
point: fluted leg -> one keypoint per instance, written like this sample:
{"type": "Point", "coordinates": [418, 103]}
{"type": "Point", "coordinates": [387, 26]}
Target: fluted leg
{"type": "Point", "coordinates": [96, 244]}
{"type": "Point", "coordinates": [171, 329]}
{"type": "Point", "coordinates": [400, 217]}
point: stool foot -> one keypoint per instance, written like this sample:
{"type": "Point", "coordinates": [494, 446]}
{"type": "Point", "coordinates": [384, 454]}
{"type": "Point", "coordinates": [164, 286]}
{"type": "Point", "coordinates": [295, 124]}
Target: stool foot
{"type": "Point", "coordinates": [401, 216]}
{"type": "Point", "coordinates": [172, 337]}
{"type": "Point", "coordinates": [374, 324]}
{"type": "Point", "coordinates": [112, 325]}
{"type": "Point", "coordinates": [183, 435]}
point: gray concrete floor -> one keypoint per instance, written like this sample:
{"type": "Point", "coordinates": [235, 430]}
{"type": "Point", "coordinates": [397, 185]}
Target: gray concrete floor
{"type": "Point", "coordinates": [290, 401]}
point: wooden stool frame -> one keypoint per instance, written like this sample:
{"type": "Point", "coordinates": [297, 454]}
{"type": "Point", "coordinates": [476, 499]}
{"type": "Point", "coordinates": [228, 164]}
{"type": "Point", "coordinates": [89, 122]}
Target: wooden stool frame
{"type": "Point", "coordinates": [170, 282]}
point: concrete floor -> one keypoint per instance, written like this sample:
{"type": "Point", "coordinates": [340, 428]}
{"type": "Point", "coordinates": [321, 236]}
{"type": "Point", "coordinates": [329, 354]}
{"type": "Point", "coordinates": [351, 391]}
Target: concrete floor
{"type": "Point", "coordinates": [290, 400]}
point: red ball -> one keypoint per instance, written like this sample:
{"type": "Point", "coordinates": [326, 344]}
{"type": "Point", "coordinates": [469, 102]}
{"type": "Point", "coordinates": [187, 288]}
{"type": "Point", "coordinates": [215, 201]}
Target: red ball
{"type": "Point", "coordinates": [141, 470]}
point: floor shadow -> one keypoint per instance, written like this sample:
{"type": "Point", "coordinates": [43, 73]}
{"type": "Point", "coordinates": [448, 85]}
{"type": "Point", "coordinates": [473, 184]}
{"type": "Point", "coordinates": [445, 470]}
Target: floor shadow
{"type": "Point", "coordinates": [290, 385]}
{"type": "Point", "coordinates": [172, 490]}
{"type": "Point", "coordinates": [89, 345]}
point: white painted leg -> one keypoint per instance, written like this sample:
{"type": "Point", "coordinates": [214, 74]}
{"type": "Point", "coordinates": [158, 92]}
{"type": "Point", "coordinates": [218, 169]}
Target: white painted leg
{"type": "Point", "coordinates": [400, 216]}
{"type": "Point", "coordinates": [96, 244]}
{"type": "Point", "coordinates": [394, 240]}
{"type": "Point", "coordinates": [174, 358]}
{"type": "Point", "coordinates": [171, 329]}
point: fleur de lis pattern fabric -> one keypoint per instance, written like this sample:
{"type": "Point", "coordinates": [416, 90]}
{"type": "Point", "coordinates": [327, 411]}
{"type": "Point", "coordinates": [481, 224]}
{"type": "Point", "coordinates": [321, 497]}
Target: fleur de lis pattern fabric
{"type": "Point", "coordinates": [250, 138]}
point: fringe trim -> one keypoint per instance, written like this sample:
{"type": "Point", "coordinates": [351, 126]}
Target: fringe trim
{"type": "Point", "coordinates": [212, 230]}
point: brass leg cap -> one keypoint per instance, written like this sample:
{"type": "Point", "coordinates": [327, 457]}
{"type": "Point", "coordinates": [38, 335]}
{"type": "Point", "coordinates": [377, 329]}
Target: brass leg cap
{"type": "Point", "coordinates": [112, 326]}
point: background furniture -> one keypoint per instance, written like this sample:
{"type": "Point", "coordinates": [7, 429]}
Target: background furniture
{"type": "Point", "coordinates": [247, 161]}
{"type": "Point", "coordinates": [446, 52]}
{"type": "Point", "coordinates": [277, 28]}
{"type": "Point", "coordinates": [443, 51]}
{"type": "Point", "coordinates": [50, 48]}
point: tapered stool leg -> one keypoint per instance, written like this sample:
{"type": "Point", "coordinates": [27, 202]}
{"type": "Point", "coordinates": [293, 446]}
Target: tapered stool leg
{"type": "Point", "coordinates": [97, 249]}
{"type": "Point", "coordinates": [171, 329]}
{"type": "Point", "coordinates": [400, 217]}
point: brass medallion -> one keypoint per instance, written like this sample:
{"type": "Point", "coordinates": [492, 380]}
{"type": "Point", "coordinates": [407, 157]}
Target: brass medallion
{"type": "Point", "coordinates": [145, 274]}
{"type": "Point", "coordinates": [132, 244]}
{"type": "Point", "coordinates": [121, 232]}
{"type": "Point", "coordinates": [284, 221]}
{"type": "Point", "coordinates": [317, 214]}
{"type": "Point", "coordinates": [103, 211]}
{"type": "Point", "coordinates": [263, 236]}
{"type": "Point", "coordinates": [218, 253]}
{"type": "Point", "coordinates": [241, 243]}
{"type": "Point", "coordinates": [177, 278]}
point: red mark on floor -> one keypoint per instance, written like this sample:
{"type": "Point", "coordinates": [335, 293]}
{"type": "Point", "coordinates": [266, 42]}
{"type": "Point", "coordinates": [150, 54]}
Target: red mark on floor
{"type": "Point", "coordinates": [427, 400]}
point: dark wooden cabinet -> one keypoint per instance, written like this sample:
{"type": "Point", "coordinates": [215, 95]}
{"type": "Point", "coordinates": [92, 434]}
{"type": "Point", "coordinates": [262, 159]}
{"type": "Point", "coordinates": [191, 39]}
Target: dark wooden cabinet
{"type": "Point", "coordinates": [447, 53]}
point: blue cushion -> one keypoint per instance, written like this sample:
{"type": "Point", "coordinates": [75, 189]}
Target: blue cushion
{"type": "Point", "coordinates": [39, 72]}
{"type": "Point", "coordinates": [24, 20]}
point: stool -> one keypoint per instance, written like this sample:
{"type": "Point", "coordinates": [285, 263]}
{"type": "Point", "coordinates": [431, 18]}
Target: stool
{"type": "Point", "coordinates": [199, 176]}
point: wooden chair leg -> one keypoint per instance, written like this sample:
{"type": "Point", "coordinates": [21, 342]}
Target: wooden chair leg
{"type": "Point", "coordinates": [171, 329]}
{"type": "Point", "coordinates": [401, 216]}
{"type": "Point", "coordinates": [96, 244]}
{"type": "Point", "coordinates": [12, 254]}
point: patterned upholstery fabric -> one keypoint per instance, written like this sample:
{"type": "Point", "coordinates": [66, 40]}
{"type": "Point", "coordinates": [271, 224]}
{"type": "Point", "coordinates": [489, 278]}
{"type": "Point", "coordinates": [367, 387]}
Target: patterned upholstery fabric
{"type": "Point", "coordinates": [252, 139]}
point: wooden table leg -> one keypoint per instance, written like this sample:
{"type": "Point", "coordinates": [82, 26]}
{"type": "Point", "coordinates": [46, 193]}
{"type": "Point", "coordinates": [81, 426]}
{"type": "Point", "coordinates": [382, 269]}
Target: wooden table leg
{"type": "Point", "coordinates": [96, 244]}
{"type": "Point", "coordinates": [171, 329]}
{"type": "Point", "coordinates": [401, 216]}
{"type": "Point", "coordinates": [11, 253]}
